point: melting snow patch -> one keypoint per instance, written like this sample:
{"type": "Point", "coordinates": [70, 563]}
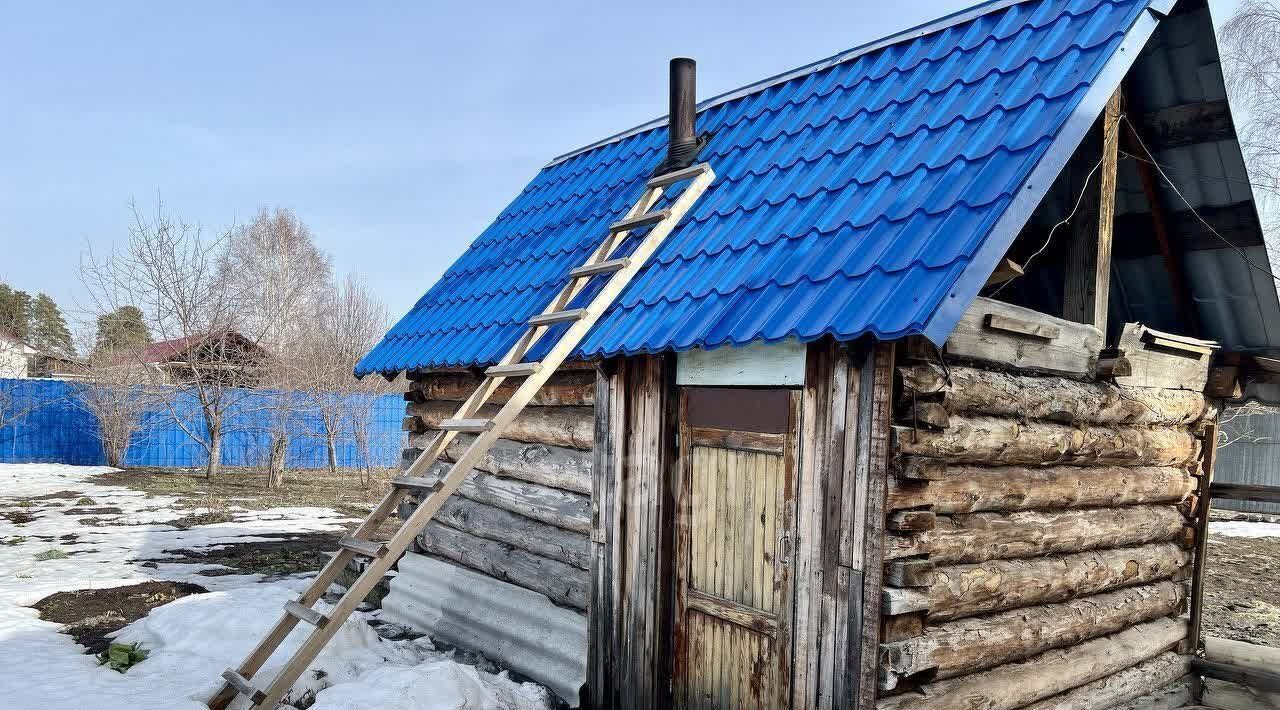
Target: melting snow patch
{"type": "Point", "coordinates": [192, 640]}
{"type": "Point", "coordinates": [1243, 528]}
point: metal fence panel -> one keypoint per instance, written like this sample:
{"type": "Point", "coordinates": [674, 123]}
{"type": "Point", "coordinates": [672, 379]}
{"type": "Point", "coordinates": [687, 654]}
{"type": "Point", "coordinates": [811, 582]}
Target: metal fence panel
{"type": "Point", "coordinates": [53, 427]}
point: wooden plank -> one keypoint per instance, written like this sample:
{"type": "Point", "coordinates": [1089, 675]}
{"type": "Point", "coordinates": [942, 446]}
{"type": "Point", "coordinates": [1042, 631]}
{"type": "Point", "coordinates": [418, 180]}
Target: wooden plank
{"type": "Point", "coordinates": [1006, 270]}
{"type": "Point", "coordinates": [879, 399]}
{"type": "Point", "coordinates": [734, 612]}
{"type": "Point", "coordinates": [1245, 491]}
{"type": "Point", "coordinates": [751, 365]}
{"type": "Point", "coordinates": [1266, 681]}
{"type": "Point", "coordinates": [1164, 360]}
{"type": "Point", "coordinates": [1241, 654]}
{"type": "Point", "coordinates": [1073, 351]}
{"type": "Point", "coordinates": [1018, 326]}
{"type": "Point", "coordinates": [1204, 502]}
{"type": "Point", "coordinates": [1087, 287]}
{"type": "Point", "coordinates": [569, 316]}
{"type": "Point", "coordinates": [738, 440]}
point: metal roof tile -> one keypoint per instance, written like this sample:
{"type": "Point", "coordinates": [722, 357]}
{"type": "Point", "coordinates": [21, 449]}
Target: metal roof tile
{"type": "Point", "coordinates": [851, 198]}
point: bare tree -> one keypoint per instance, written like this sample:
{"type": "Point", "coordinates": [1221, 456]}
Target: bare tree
{"type": "Point", "coordinates": [1250, 42]}
{"type": "Point", "coordinates": [119, 396]}
{"type": "Point", "coordinates": [274, 263]}
{"type": "Point", "coordinates": [347, 324]}
{"type": "Point", "coordinates": [172, 271]}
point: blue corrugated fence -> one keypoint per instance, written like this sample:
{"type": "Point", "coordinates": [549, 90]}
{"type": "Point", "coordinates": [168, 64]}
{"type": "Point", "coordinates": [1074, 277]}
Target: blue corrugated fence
{"type": "Point", "coordinates": [52, 426]}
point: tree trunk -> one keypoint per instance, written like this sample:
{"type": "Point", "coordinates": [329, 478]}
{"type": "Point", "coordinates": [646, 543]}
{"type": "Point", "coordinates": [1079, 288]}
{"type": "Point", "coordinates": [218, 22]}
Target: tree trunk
{"type": "Point", "coordinates": [331, 447]}
{"type": "Point", "coordinates": [276, 464]}
{"type": "Point", "coordinates": [213, 466]}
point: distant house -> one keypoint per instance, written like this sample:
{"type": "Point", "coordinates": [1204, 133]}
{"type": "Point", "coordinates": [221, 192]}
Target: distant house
{"type": "Point", "coordinates": [56, 366]}
{"type": "Point", "coordinates": [14, 356]}
{"type": "Point", "coordinates": [231, 354]}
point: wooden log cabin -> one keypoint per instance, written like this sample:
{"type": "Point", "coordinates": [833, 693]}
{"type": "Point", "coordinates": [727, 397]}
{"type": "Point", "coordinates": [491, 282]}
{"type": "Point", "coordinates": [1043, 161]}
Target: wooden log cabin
{"type": "Point", "coordinates": [911, 409]}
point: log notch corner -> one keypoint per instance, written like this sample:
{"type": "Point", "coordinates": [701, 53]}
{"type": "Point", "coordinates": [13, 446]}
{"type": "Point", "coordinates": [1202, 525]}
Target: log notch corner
{"type": "Point", "coordinates": [1038, 525]}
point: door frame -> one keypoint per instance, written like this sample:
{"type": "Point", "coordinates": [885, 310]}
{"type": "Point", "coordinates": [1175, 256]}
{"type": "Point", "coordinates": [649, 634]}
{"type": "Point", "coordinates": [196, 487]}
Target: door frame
{"type": "Point", "coordinates": [681, 488]}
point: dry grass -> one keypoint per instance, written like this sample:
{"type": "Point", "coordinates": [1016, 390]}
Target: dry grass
{"type": "Point", "coordinates": [247, 488]}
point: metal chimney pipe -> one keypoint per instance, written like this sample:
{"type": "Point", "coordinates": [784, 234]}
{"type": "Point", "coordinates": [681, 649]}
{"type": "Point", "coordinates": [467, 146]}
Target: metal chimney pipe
{"type": "Point", "coordinates": [682, 145]}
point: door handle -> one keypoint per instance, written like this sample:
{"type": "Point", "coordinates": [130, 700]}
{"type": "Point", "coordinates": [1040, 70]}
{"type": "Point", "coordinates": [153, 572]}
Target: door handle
{"type": "Point", "coordinates": [784, 549]}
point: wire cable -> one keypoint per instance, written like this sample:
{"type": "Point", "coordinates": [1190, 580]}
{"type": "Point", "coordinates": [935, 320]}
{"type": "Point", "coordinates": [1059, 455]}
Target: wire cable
{"type": "Point", "coordinates": [1176, 191]}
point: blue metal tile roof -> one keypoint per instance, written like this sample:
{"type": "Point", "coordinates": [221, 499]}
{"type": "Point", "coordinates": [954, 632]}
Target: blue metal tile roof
{"type": "Point", "coordinates": [871, 193]}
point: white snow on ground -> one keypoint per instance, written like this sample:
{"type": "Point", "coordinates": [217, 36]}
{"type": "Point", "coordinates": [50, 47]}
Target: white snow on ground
{"type": "Point", "coordinates": [1243, 528]}
{"type": "Point", "coordinates": [192, 639]}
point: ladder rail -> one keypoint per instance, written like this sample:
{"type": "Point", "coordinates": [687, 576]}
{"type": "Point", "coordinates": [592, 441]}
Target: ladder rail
{"type": "Point", "coordinates": [479, 447]}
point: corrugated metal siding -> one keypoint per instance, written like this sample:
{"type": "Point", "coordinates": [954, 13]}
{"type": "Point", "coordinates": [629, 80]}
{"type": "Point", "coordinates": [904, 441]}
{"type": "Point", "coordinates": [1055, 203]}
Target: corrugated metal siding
{"type": "Point", "coordinates": [57, 429]}
{"type": "Point", "coordinates": [1252, 456]}
{"type": "Point", "coordinates": [849, 200]}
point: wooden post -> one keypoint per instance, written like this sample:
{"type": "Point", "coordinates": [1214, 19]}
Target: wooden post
{"type": "Point", "coordinates": [1204, 498]}
{"type": "Point", "coordinates": [1088, 271]}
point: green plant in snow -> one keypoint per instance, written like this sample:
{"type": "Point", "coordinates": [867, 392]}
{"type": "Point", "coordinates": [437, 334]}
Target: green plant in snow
{"type": "Point", "coordinates": [51, 554]}
{"type": "Point", "coordinates": [15, 540]}
{"type": "Point", "coordinates": [86, 501]}
{"type": "Point", "coordinates": [120, 657]}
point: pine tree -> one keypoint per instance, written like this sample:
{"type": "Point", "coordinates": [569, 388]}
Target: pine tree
{"type": "Point", "coordinates": [121, 330]}
{"type": "Point", "coordinates": [48, 328]}
{"type": "Point", "coordinates": [15, 312]}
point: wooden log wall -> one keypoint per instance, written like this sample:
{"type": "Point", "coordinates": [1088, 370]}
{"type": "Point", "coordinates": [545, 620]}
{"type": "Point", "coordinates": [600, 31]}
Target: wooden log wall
{"type": "Point", "coordinates": [1037, 534]}
{"type": "Point", "coordinates": [524, 515]}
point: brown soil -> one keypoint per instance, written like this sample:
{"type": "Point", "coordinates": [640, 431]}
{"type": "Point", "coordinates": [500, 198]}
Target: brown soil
{"type": "Point", "coordinates": [90, 614]}
{"type": "Point", "coordinates": [285, 555]}
{"type": "Point", "coordinates": [17, 517]}
{"type": "Point", "coordinates": [1242, 599]}
{"type": "Point", "coordinates": [99, 510]}
{"type": "Point", "coordinates": [342, 491]}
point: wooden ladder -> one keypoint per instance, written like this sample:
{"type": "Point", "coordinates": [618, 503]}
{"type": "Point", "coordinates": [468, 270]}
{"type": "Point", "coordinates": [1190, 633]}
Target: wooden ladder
{"type": "Point", "coordinates": [382, 555]}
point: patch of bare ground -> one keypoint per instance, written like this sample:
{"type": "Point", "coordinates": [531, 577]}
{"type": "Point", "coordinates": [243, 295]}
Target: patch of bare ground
{"type": "Point", "coordinates": [282, 556]}
{"type": "Point", "coordinates": [89, 615]}
{"type": "Point", "coordinates": [1242, 599]}
{"type": "Point", "coordinates": [247, 488]}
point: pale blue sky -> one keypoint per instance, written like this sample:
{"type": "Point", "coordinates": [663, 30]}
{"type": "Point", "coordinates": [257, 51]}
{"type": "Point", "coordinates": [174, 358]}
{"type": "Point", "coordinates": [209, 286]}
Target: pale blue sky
{"type": "Point", "coordinates": [397, 131]}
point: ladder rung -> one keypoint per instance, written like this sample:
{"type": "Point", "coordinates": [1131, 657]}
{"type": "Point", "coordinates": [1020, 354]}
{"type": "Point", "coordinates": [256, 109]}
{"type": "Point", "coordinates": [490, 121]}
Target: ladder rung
{"type": "Point", "coordinates": [469, 426]}
{"type": "Point", "coordinates": [520, 369]}
{"type": "Point", "coordinates": [430, 485]}
{"type": "Point", "coordinates": [604, 267]}
{"type": "Point", "coordinates": [625, 225]}
{"type": "Point", "coordinates": [676, 176]}
{"type": "Point", "coordinates": [307, 614]}
{"type": "Point", "coordinates": [558, 317]}
{"type": "Point", "coordinates": [368, 548]}
{"type": "Point", "coordinates": [243, 686]}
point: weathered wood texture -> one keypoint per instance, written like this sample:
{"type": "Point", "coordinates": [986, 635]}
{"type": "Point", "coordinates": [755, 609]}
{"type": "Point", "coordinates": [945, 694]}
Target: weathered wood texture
{"type": "Point", "coordinates": [1087, 281]}
{"type": "Point", "coordinates": [972, 390]}
{"type": "Point", "coordinates": [977, 537]}
{"type": "Point", "coordinates": [1164, 360]}
{"type": "Point", "coordinates": [563, 584]}
{"type": "Point", "coordinates": [603, 626]}
{"type": "Point", "coordinates": [572, 427]}
{"type": "Point", "coordinates": [969, 645]}
{"type": "Point", "coordinates": [553, 466]}
{"type": "Point", "coordinates": [564, 509]}
{"type": "Point", "coordinates": [572, 388]}
{"type": "Point", "coordinates": [1152, 680]}
{"type": "Point", "coordinates": [516, 530]}
{"type": "Point", "coordinates": [967, 488]}
{"type": "Point", "coordinates": [966, 590]}
{"type": "Point", "coordinates": [1041, 677]}
{"type": "Point", "coordinates": [1004, 334]}
{"type": "Point", "coordinates": [993, 440]}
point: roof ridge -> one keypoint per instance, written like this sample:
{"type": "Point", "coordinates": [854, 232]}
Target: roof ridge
{"type": "Point", "coordinates": [921, 30]}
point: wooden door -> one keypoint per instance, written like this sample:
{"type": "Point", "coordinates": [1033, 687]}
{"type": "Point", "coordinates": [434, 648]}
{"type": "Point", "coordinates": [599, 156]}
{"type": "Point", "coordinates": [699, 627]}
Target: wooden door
{"type": "Point", "coordinates": [734, 536]}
